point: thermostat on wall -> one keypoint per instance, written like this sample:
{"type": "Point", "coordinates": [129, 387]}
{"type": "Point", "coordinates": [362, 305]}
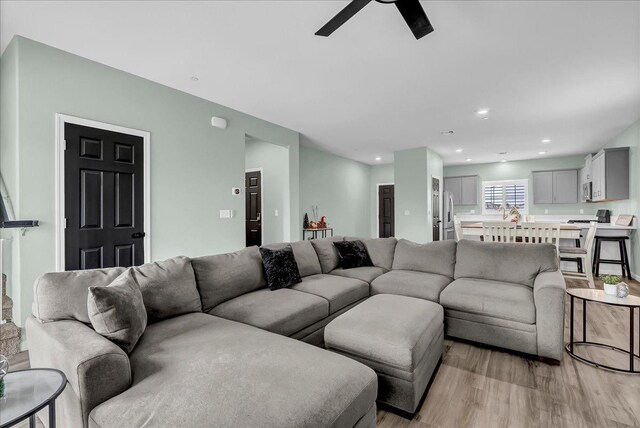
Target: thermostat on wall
{"type": "Point", "coordinates": [235, 190]}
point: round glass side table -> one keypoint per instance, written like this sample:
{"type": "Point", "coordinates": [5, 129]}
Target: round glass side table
{"type": "Point", "coordinates": [27, 392]}
{"type": "Point", "coordinates": [599, 296]}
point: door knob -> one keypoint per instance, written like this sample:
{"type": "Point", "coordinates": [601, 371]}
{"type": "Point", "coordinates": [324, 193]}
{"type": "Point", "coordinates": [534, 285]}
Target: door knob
{"type": "Point", "coordinates": [138, 235]}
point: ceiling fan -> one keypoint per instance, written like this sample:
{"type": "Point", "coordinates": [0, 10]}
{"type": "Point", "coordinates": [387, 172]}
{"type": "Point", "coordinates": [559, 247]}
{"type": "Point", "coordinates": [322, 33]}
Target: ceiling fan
{"type": "Point", "coordinates": [411, 11]}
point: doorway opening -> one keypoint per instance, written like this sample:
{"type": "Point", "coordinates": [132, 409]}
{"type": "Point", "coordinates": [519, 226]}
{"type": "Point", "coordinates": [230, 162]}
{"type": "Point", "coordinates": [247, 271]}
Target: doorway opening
{"type": "Point", "coordinates": [386, 210]}
{"type": "Point", "coordinates": [266, 192]}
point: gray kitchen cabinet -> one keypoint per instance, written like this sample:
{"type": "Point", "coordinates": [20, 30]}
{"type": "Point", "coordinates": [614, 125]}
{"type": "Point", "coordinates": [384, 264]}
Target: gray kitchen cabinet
{"type": "Point", "coordinates": [610, 170]}
{"type": "Point", "coordinates": [469, 186]}
{"type": "Point", "coordinates": [543, 187]}
{"type": "Point", "coordinates": [565, 186]}
{"type": "Point", "coordinates": [453, 185]}
{"type": "Point", "coordinates": [464, 189]}
{"type": "Point", "coordinates": [555, 187]}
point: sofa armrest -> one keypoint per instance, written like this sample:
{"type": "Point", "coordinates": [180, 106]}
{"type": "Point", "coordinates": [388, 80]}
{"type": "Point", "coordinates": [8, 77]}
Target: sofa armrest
{"type": "Point", "coordinates": [548, 295]}
{"type": "Point", "coordinates": [96, 368]}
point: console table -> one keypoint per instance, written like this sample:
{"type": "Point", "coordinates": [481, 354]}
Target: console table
{"type": "Point", "coordinates": [314, 233]}
{"type": "Point", "coordinates": [599, 296]}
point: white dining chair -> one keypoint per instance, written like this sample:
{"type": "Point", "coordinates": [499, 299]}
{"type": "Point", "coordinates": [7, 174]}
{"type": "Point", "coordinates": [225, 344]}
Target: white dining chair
{"type": "Point", "coordinates": [584, 254]}
{"type": "Point", "coordinates": [499, 231]}
{"type": "Point", "coordinates": [541, 233]}
{"type": "Point", "coordinates": [457, 224]}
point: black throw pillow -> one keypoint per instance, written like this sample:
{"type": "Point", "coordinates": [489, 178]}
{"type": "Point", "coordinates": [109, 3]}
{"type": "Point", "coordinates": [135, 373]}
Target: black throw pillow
{"type": "Point", "coordinates": [280, 267]}
{"type": "Point", "coordinates": [352, 254]}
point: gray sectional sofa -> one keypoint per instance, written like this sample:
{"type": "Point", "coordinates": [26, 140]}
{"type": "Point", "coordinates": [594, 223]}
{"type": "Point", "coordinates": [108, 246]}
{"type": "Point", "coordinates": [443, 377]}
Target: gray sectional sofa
{"type": "Point", "coordinates": [227, 358]}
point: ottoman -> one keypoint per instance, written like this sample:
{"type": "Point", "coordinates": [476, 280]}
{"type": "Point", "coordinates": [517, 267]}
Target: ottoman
{"type": "Point", "coordinates": [399, 337]}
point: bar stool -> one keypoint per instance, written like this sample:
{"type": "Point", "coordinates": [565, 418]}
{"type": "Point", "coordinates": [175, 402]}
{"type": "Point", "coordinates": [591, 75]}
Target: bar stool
{"type": "Point", "coordinates": [624, 256]}
{"type": "Point", "coordinates": [584, 254]}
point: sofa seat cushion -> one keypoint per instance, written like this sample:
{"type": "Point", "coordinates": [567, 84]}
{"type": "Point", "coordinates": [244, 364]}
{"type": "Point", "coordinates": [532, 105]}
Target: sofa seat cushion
{"type": "Point", "coordinates": [338, 291]}
{"type": "Point", "coordinates": [365, 273]}
{"type": "Point", "coordinates": [282, 311]}
{"type": "Point", "coordinates": [198, 370]}
{"type": "Point", "coordinates": [409, 283]}
{"type": "Point", "coordinates": [508, 301]}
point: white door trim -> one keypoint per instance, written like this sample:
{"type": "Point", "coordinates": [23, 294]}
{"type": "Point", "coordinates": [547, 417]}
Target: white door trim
{"type": "Point", "coordinates": [261, 171]}
{"type": "Point", "coordinates": [60, 143]}
{"type": "Point", "coordinates": [377, 196]}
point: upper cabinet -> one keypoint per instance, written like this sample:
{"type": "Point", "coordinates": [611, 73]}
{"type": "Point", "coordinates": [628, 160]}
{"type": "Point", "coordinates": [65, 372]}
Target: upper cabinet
{"type": "Point", "coordinates": [555, 187]}
{"type": "Point", "coordinates": [610, 172]}
{"type": "Point", "coordinates": [464, 189]}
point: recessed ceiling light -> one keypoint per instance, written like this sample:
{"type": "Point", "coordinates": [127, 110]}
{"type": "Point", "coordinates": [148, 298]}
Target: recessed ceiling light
{"type": "Point", "coordinates": [546, 140]}
{"type": "Point", "coordinates": [503, 160]}
{"type": "Point", "coordinates": [485, 118]}
{"type": "Point", "coordinates": [483, 111]}
{"type": "Point", "coordinates": [542, 153]}
{"type": "Point", "coordinates": [458, 150]}
{"type": "Point", "coordinates": [469, 160]}
{"type": "Point", "coordinates": [378, 158]}
{"type": "Point", "coordinates": [194, 78]}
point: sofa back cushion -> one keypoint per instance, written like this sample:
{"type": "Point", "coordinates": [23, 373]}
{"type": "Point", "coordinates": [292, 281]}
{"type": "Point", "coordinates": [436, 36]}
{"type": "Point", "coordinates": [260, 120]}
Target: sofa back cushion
{"type": "Point", "coordinates": [168, 288]}
{"type": "Point", "coordinates": [63, 295]}
{"type": "Point", "coordinates": [381, 251]}
{"type": "Point", "coordinates": [222, 277]}
{"type": "Point", "coordinates": [435, 257]}
{"type": "Point", "coordinates": [327, 252]}
{"type": "Point", "coordinates": [506, 262]}
{"type": "Point", "coordinates": [306, 257]}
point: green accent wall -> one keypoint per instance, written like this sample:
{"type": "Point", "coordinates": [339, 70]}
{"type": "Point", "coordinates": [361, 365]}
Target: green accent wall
{"type": "Point", "coordinates": [341, 189]}
{"type": "Point", "coordinates": [274, 162]}
{"type": "Point", "coordinates": [193, 165]}
{"type": "Point", "coordinates": [413, 171]}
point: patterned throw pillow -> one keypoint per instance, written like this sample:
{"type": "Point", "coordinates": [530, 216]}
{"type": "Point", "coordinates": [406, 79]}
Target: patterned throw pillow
{"type": "Point", "coordinates": [353, 254]}
{"type": "Point", "coordinates": [280, 267]}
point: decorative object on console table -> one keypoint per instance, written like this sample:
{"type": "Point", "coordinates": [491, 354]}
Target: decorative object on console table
{"type": "Point", "coordinates": [305, 221]}
{"type": "Point", "coordinates": [9, 332]}
{"type": "Point", "coordinates": [622, 290]}
{"type": "Point", "coordinates": [611, 284]}
{"type": "Point", "coordinates": [322, 224]}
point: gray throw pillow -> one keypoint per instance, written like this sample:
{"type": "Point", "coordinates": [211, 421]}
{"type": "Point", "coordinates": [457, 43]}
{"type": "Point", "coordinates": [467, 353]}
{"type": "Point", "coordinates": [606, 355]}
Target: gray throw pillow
{"type": "Point", "coordinates": [117, 311]}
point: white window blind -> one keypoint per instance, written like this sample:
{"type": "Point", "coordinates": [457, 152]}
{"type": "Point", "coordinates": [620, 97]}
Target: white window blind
{"type": "Point", "coordinates": [508, 194]}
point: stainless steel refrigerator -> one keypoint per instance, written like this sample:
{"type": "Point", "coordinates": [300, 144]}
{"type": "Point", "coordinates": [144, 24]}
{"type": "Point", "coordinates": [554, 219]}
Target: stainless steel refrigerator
{"type": "Point", "coordinates": [447, 216]}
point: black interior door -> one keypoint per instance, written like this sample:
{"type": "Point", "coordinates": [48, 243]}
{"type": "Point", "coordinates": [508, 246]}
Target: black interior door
{"type": "Point", "coordinates": [253, 208]}
{"type": "Point", "coordinates": [386, 211]}
{"type": "Point", "coordinates": [435, 207]}
{"type": "Point", "coordinates": [104, 198]}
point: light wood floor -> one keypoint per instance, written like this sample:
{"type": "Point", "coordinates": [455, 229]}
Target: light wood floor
{"type": "Point", "coordinates": [487, 388]}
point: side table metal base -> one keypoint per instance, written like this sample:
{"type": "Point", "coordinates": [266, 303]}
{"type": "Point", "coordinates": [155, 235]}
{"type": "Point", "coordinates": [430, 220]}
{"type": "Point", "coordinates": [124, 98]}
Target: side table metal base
{"type": "Point", "coordinates": [600, 365]}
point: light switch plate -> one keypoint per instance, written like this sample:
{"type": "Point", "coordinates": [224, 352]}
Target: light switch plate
{"type": "Point", "coordinates": [226, 213]}
{"type": "Point", "coordinates": [275, 213]}
{"type": "Point", "coordinates": [546, 211]}
{"type": "Point", "coordinates": [407, 212]}
{"type": "Point", "coordinates": [581, 211]}
{"type": "Point", "coordinates": [472, 211]}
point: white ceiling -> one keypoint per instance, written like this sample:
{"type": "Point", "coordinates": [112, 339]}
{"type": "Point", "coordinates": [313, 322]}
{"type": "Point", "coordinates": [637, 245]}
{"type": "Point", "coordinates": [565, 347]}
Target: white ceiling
{"type": "Point", "coordinates": [564, 70]}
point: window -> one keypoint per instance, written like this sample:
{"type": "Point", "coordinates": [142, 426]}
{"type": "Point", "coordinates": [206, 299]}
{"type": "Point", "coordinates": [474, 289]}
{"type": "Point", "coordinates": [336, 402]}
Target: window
{"type": "Point", "coordinates": [508, 193]}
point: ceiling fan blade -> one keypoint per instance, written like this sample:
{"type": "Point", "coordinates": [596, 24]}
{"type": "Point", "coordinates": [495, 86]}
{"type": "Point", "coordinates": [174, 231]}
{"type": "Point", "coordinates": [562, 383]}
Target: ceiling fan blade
{"type": "Point", "coordinates": [416, 18]}
{"type": "Point", "coordinates": [343, 16]}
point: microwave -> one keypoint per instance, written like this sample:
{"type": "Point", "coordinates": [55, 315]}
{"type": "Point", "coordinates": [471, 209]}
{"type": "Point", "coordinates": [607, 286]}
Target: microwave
{"type": "Point", "coordinates": [586, 191]}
